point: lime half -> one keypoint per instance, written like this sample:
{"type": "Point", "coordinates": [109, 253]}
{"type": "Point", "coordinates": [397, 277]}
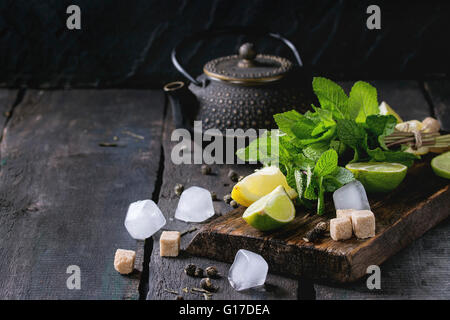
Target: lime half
{"type": "Point", "coordinates": [271, 211]}
{"type": "Point", "coordinates": [441, 165]}
{"type": "Point", "coordinates": [378, 176]}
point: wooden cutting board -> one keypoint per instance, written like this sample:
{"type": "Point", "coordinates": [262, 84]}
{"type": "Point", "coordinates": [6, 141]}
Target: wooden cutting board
{"type": "Point", "coordinates": [418, 204]}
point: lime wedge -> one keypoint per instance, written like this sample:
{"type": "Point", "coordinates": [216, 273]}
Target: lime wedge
{"type": "Point", "coordinates": [271, 211]}
{"type": "Point", "coordinates": [441, 165]}
{"type": "Point", "coordinates": [259, 184]}
{"type": "Point", "coordinates": [378, 176]}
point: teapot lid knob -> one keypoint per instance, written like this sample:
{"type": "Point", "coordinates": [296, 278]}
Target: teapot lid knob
{"type": "Point", "coordinates": [247, 55]}
{"type": "Point", "coordinates": [247, 51]}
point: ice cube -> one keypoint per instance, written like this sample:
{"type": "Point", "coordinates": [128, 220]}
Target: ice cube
{"type": "Point", "coordinates": [248, 270]}
{"type": "Point", "coordinates": [195, 205]}
{"type": "Point", "coordinates": [144, 219]}
{"type": "Point", "coordinates": [351, 196]}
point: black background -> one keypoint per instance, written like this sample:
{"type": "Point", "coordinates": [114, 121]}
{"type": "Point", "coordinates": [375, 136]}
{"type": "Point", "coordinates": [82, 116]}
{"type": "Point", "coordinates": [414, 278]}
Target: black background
{"type": "Point", "coordinates": [127, 43]}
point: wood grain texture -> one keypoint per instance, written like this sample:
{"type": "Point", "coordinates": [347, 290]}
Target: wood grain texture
{"type": "Point", "coordinates": [420, 271]}
{"type": "Point", "coordinates": [64, 198]}
{"type": "Point", "coordinates": [439, 92]}
{"type": "Point", "coordinates": [167, 273]}
{"type": "Point", "coordinates": [7, 101]}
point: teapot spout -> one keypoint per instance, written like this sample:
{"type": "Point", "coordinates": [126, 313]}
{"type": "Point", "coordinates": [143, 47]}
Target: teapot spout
{"type": "Point", "coordinates": [183, 104]}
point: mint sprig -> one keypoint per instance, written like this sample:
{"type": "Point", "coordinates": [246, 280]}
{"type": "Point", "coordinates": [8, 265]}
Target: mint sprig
{"type": "Point", "coordinates": [310, 144]}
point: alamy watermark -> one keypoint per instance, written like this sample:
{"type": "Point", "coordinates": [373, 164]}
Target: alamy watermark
{"type": "Point", "coordinates": [374, 20]}
{"type": "Point", "coordinates": [374, 280]}
{"type": "Point", "coordinates": [73, 21]}
{"type": "Point", "coordinates": [216, 147]}
{"type": "Point", "coordinates": [73, 282]}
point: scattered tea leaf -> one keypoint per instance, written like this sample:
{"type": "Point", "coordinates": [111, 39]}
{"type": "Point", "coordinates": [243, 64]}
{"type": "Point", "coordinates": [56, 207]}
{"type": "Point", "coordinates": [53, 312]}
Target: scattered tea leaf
{"type": "Point", "coordinates": [108, 144]}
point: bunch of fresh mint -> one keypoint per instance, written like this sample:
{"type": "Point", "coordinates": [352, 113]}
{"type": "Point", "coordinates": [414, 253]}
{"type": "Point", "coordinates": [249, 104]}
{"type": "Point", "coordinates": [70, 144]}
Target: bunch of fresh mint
{"type": "Point", "coordinates": [309, 145]}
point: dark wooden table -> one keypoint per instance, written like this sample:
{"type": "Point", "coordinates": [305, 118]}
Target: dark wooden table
{"type": "Point", "coordinates": [73, 160]}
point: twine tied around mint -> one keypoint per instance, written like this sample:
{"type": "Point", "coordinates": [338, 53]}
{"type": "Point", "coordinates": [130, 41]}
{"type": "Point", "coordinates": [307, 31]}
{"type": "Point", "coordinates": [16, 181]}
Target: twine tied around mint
{"type": "Point", "coordinates": [417, 139]}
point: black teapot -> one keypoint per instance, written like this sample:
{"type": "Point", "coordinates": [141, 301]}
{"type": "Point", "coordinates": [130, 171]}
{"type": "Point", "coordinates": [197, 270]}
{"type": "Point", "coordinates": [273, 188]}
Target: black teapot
{"type": "Point", "coordinates": [239, 91]}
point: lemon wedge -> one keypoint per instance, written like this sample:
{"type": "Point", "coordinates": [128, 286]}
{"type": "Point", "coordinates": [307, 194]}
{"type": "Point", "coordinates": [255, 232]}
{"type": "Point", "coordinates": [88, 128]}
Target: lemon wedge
{"type": "Point", "coordinates": [385, 110]}
{"type": "Point", "coordinates": [258, 184]}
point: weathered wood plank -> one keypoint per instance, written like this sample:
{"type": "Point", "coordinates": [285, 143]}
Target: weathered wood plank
{"type": "Point", "coordinates": [420, 271]}
{"type": "Point", "coordinates": [64, 198]}
{"type": "Point", "coordinates": [7, 100]}
{"type": "Point", "coordinates": [439, 92]}
{"type": "Point", "coordinates": [167, 273]}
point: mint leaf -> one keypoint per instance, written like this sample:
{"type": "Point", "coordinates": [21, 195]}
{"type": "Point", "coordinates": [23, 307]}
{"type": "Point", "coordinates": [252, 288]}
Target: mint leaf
{"type": "Point", "coordinates": [362, 101]}
{"type": "Point", "coordinates": [302, 162]}
{"type": "Point", "coordinates": [303, 128]}
{"type": "Point", "coordinates": [325, 116]}
{"type": "Point", "coordinates": [313, 116]}
{"type": "Point", "coordinates": [287, 119]}
{"type": "Point", "coordinates": [319, 129]}
{"type": "Point", "coordinates": [338, 178]}
{"type": "Point", "coordinates": [260, 149]}
{"type": "Point", "coordinates": [326, 136]}
{"type": "Point", "coordinates": [381, 126]}
{"type": "Point", "coordinates": [351, 133]}
{"type": "Point", "coordinates": [330, 95]}
{"type": "Point", "coordinates": [299, 182]}
{"type": "Point", "coordinates": [321, 200]}
{"type": "Point", "coordinates": [310, 191]}
{"type": "Point", "coordinates": [315, 150]}
{"type": "Point", "coordinates": [392, 156]}
{"type": "Point", "coordinates": [250, 153]}
{"type": "Point", "coordinates": [339, 146]}
{"type": "Point", "coordinates": [342, 175]}
{"type": "Point", "coordinates": [290, 178]}
{"type": "Point", "coordinates": [327, 163]}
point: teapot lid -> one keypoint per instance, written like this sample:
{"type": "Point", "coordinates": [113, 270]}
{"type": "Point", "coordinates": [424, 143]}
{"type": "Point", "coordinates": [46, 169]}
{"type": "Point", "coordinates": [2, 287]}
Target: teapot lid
{"type": "Point", "coordinates": [248, 67]}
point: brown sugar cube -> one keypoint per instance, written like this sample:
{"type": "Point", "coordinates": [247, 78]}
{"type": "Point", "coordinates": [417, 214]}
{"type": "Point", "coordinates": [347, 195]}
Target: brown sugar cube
{"type": "Point", "coordinates": [340, 229]}
{"type": "Point", "coordinates": [169, 244]}
{"type": "Point", "coordinates": [344, 213]}
{"type": "Point", "coordinates": [363, 222]}
{"type": "Point", "coordinates": [124, 261]}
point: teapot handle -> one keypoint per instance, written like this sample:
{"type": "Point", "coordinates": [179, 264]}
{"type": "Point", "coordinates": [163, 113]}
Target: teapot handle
{"type": "Point", "coordinates": [242, 31]}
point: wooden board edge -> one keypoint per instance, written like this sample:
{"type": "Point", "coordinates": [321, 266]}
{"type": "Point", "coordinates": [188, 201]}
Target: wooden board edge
{"type": "Point", "coordinates": [302, 262]}
{"type": "Point", "coordinates": [424, 217]}
{"type": "Point", "coordinates": [316, 266]}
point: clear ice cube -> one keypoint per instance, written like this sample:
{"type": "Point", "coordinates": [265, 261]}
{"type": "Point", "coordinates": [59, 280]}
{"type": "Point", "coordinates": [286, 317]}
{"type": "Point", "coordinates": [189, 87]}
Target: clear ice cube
{"type": "Point", "coordinates": [351, 196]}
{"type": "Point", "coordinates": [144, 219]}
{"type": "Point", "coordinates": [248, 270]}
{"type": "Point", "coordinates": [195, 205]}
